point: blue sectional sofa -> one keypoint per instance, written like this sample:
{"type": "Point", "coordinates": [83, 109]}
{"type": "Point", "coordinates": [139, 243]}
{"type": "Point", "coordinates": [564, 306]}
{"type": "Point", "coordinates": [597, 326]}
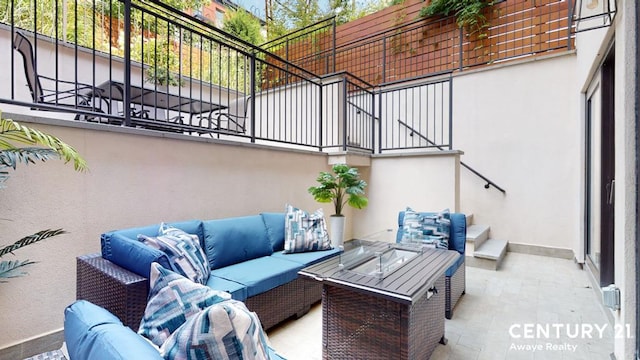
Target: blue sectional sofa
{"type": "Point", "coordinates": [455, 274]}
{"type": "Point", "coordinates": [245, 255]}
{"type": "Point", "coordinates": [92, 332]}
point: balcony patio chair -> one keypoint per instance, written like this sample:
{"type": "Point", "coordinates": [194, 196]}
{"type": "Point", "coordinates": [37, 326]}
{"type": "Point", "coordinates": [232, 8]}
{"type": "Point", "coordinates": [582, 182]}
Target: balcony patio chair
{"type": "Point", "coordinates": [231, 119]}
{"type": "Point", "coordinates": [66, 94]}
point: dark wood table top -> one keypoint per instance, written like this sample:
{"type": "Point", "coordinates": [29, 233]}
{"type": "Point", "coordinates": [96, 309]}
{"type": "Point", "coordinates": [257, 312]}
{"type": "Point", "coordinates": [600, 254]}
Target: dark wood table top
{"type": "Point", "coordinates": [405, 285]}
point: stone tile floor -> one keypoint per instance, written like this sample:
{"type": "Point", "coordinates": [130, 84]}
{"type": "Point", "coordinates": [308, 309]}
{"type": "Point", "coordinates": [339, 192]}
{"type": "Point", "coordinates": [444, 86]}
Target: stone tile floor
{"type": "Point", "coordinates": [499, 316]}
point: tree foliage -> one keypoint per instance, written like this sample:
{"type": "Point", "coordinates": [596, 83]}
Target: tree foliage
{"type": "Point", "coordinates": [243, 25]}
{"type": "Point", "coordinates": [468, 13]}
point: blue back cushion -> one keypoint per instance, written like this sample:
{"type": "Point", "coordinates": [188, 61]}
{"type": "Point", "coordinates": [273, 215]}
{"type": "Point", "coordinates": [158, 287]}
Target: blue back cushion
{"type": "Point", "coordinates": [123, 248]}
{"type": "Point", "coordinates": [274, 222]}
{"type": "Point", "coordinates": [458, 230]}
{"type": "Point", "coordinates": [233, 240]}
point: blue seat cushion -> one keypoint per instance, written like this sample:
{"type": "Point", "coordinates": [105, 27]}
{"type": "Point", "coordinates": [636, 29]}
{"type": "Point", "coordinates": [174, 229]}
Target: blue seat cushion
{"type": "Point", "coordinates": [234, 240]}
{"type": "Point", "coordinates": [453, 268]}
{"type": "Point", "coordinates": [261, 274]}
{"type": "Point", "coordinates": [274, 222]}
{"type": "Point", "coordinates": [91, 332]}
{"type": "Point", "coordinates": [307, 258]}
{"type": "Point", "coordinates": [237, 291]}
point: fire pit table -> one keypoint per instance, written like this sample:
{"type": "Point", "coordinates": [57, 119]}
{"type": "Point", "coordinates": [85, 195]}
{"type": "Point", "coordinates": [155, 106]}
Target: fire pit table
{"type": "Point", "coordinates": [382, 300]}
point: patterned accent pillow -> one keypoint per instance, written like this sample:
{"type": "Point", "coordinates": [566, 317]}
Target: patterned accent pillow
{"type": "Point", "coordinates": [183, 250]}
{"type": "Point", "coordinates": [227, 330]}
{"type": "Point", "coordinates": [429, 229]}
{"type": "Point", "coordinates": [304, 231]}
{"type": "Point", "coordinates": [173, 299]}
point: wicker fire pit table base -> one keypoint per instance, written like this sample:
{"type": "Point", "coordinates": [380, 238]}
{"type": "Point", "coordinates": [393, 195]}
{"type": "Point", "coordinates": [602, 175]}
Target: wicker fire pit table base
{"type": "Point", "coordinates": [382, 301]}
{"type": "Point", "coordinates": [359, 326]}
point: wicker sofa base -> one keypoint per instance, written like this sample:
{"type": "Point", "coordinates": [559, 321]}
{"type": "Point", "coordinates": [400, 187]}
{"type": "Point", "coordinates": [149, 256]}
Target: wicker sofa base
{"type": "Point", "coordinates": [455, 288]}
{"type": "Point", "coordinates": [124, 293]}
{"type": "Point", "coordinates": [360, 326]}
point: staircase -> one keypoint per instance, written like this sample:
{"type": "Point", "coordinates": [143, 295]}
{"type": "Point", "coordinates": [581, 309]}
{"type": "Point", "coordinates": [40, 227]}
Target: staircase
{"type": "Point", "coordinates": [481, 250]}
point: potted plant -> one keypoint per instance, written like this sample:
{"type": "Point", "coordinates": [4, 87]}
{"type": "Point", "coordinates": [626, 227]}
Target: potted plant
{"type": "Point", "coordinates": [343, 187]}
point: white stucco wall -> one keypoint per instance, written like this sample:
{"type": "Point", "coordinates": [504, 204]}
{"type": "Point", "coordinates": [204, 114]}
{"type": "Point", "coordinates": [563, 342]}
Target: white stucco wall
{"type": "Point", "coordinates": [133, 180]}
{"type": "Point", "coordinates": [424, 182]}
{"type": "Point", "coordinates": [518, 125]}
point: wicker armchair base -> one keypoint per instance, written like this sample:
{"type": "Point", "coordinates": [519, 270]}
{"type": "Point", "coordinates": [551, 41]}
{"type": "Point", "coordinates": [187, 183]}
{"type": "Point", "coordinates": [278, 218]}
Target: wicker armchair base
{"type": "Point", "coordinates": [455, 288]}
{"type": "Point", "coordinates": [124, 293]}
{"type": "Point", "coordinates": [360, 326]}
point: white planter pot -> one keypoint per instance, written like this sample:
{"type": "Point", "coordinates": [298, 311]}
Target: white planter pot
{"type": "Point", "coordinates": [337, 231]}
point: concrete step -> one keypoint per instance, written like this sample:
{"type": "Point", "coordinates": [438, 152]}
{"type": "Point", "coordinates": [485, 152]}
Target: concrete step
{"type": "Point", "coordinates": [469, 218]}
{"type": "Point", "coordinates": [489, 255]}
{"type": "Point", "coordinates": [476, 235]}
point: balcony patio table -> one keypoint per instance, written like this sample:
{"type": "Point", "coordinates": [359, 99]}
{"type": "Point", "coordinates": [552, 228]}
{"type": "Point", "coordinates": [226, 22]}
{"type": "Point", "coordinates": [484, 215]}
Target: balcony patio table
{"type": "Point", "coordinates": [152, 99]}
{"type": "Point", "coordinates": [395, 311]}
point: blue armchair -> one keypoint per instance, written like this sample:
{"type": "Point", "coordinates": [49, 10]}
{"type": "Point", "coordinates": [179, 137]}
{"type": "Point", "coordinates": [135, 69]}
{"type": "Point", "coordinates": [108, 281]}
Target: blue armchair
{"type": "Point", "coordinates": [455, 274]}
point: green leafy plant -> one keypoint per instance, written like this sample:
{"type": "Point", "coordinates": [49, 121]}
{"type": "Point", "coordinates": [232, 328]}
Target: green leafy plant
{"type": "Point", "coordinates": [343, 187]}
{"type": "Point", "coordinates": [468, 13]}
{"type": "Point", "coordinates": [42, 148]}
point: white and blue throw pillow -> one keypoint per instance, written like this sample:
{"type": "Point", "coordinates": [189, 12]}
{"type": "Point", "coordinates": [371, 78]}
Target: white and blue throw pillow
{"type": "Point", "coordinates": [173, 299]}
{"type": "Point", "coordinates": [304, 231]}
{"type": "Point", "coordinates": [185, 254]}
{"type": "Point", "coordinates": [227, 330]}
{"type": "Point", "coordinates": [429, 229]}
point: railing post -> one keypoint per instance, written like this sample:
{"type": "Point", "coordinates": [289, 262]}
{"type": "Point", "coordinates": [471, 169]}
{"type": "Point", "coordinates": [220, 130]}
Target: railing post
{"type": "Point", "coordinates": [126, 101]}
{"type": "Point", "coordinates": [460, 52]}
{"type": "Point", "coordinates": [373, 121]}
{"type": "Point", "coordinates": [334, 44]}
{"type": "Point", "coordinates": [384, 60]}
{"type": "Point", "coordinates": [321, 117]}
{"type": "Point", "coordinates": [380, 122]}
{"type": "Point", "coordinates": [450, 112]}
{"type": "Point", "coordinates": [252, 99]}
{"type": "Point", "coordinates": [344, 113]}
{"type": "Point", "coordinates": [569, 23]}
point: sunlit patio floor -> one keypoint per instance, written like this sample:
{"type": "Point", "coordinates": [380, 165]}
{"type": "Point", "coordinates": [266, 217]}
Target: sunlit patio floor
{"type": "Point", "coordinates": [534, 307]}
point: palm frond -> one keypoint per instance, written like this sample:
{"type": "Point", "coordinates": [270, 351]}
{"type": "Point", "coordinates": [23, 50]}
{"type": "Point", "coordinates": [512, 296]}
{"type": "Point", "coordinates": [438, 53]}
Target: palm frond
{"type": "Point", "coordinates": [31, 239]}
{"type": "Point", "coordinates": [28, 155]}
{"type": "Point", "coordinates": [11, 131]}
{"type": "Point", "coordinates": [13, 268]}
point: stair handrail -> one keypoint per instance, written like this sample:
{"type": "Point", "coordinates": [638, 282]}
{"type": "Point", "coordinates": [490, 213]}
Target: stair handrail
{"type": "Point", "coordinates": [474, 171]}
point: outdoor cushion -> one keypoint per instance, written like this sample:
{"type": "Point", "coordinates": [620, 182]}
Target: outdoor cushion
{"type": "Point", "coordinates": [431, 229]}
{"type": "Point", "coordinates": [227, 330]}
{"type": "Point", "coordinates": [131, 254]}
{"type": "Point", "coordinates": [458, 230]}
{"type": "Point", "coordinates": [92, 332]}
{"type": "Point", "coordinates": [304, 231]}
{"type": "Point", "coordinates": [237, 291]}
{"type": "Point", "coordinates": [307, 258]}
{"type": "Point", "coordinates": [173, 299]}
{"type": "Point", "coordinates": [186, 257]}
{"type": "Point", "coordinates": [261, 274]}
{"type": "Point", "coordinates": [234, 240]}
{"type": "Point", "coordinates": [274, 222]}
{"type": "Point", "coordinates": [189, 226]}
{"type": "Point", "coordinates": [122, 247]}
